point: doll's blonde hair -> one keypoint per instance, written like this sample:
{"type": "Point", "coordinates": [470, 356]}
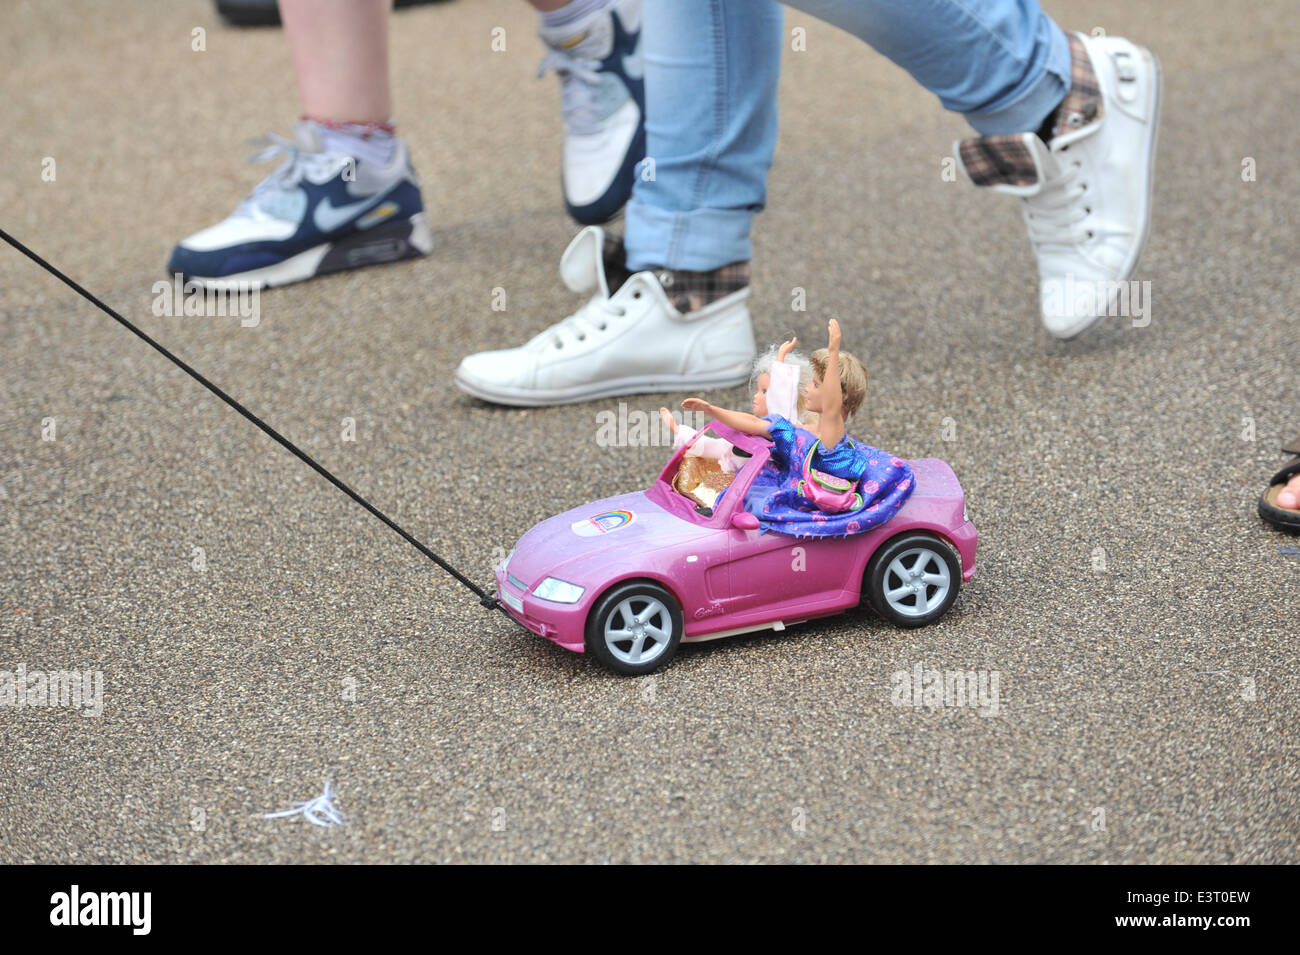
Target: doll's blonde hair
{"type": "Point", "coordinates": [763, 366]}
{"type": "Point", "coordinates": [853, 378]}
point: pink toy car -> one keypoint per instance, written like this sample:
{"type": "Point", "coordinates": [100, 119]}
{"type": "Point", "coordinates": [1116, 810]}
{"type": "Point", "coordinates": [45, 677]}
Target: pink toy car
{"type": "Point", "coordinates": [629, 578]}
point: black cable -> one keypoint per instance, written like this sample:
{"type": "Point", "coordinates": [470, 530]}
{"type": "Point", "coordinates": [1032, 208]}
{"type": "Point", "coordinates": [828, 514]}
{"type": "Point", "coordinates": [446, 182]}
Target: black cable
{"type": "Point", "coordinates": [486, 599]}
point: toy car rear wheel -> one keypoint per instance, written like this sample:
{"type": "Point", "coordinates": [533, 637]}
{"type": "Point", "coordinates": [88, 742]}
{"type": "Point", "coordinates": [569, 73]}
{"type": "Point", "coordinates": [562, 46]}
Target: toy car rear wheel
{"type": "Point", "coordinates": [913, 579]}
{"type": "Point", "coordinates": [635, 628]}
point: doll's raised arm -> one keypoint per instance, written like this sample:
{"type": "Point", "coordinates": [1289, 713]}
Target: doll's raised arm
{"type": "Point", "coordinates": [742, 422]}
{"type": "Point", "coordinates": [830, 427]}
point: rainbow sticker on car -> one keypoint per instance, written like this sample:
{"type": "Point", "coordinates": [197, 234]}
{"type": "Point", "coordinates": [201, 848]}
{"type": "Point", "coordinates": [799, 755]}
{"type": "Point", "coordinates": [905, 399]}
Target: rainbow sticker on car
{"type": "Point", "coordinates": [603, 523]}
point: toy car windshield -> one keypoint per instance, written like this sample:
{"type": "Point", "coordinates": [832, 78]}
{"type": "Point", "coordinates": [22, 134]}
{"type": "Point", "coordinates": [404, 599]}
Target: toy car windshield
{"type": "Point", "coordinates": [695, 487]}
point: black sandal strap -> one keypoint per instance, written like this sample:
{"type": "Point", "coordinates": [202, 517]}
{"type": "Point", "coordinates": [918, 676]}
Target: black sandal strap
{"type": "Point", "coordinates": [1289, 470]}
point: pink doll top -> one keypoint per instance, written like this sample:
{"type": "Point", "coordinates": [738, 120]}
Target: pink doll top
{"type": "Point", "coordinates": [782, 399]}
{"type": "Point", "coordinates": [783, 390]}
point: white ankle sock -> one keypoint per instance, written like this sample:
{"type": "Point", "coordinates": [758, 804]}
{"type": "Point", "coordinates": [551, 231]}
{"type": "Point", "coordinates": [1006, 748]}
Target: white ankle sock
{"type": "Point", "coordinates": [572, 13]}
{"type": "Point", "coordinates": [365, 143]}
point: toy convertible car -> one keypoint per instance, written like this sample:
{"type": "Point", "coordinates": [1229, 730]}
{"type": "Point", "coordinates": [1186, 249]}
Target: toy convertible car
{"type": "Point", "coordinates": [629, 578]}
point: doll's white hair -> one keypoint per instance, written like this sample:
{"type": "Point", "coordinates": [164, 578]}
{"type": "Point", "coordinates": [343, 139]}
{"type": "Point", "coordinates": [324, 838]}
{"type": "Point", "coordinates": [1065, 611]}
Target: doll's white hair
{"type": "Point", "coordinates": [763, 366]}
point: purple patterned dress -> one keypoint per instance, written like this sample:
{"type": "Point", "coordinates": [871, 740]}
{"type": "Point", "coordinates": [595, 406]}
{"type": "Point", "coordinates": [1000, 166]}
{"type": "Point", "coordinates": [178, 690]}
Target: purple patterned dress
{"type": "Point", "coordinates": [884, 481]}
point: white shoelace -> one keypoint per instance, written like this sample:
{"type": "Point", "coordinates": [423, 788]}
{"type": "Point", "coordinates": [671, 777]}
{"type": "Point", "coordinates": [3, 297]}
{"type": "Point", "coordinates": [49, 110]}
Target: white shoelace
{"type": "Point", "coordinates": [1055, 214]}
{"type": "Point", "coordinates": [288, 174]}
{"type": "Point", "coordinates": [579, 83]}
{"type": "Point", "coordinates": [592, 318]}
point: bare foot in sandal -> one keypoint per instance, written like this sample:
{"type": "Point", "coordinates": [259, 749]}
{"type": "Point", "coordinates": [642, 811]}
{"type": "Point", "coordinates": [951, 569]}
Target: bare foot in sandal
{"type": "Point", "coordinates": [1289, 496]}
{"type": "Point", "coordinates": [1280, 503]}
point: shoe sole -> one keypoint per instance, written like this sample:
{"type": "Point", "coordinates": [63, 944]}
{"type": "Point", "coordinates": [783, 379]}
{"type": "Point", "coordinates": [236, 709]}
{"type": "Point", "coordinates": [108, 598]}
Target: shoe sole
{"type": "Point", "coordinates": [1135, 259]}
{"type": "Point", "coordinates": [390, 242]}
{"type": "Point", "coordinates": [638, 385]}
{"type": "Point", "coordinates": [1282, 518]}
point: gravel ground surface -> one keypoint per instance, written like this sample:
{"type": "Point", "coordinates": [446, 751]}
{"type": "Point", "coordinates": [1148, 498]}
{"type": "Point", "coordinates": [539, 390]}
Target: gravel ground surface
{"type": "Point", "coordinates": [1141, 619]}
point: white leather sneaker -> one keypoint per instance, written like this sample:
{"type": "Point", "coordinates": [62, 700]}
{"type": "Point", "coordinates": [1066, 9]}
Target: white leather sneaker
{"type": "Point", "coordinates": [631, 342]}
{"type": "Point", "coordinates": [1086, 197]}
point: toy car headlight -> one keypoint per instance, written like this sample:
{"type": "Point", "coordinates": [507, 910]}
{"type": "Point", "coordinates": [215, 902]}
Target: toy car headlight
{"type": "Point", "coordinates": [965, 513]}
{"type": "Point", "coordinates": [559, 591]}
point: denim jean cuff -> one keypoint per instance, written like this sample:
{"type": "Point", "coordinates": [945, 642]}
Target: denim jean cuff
{"type": "Point", "coordinates": [1029, 110]}
{"type": "Point", "coordinates": [696, 241]}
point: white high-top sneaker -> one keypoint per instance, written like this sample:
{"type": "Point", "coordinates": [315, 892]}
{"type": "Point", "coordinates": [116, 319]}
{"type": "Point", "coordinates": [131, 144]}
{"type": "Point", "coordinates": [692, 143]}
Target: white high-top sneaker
{"type": "Point", "coordinates": [631, 342]}
{"type": "Point", "coordinates": [1086, 197]}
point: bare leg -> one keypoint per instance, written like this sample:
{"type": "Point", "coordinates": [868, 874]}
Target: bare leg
{"type": "Point", "coordinates": [340, 56]}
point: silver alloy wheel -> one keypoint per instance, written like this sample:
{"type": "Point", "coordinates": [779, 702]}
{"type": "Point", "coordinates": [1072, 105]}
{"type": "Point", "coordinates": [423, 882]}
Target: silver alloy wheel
{"type": "Point", "coordinates": [916, 581]}
{"type": "Point", "coordinates": [646, 632]}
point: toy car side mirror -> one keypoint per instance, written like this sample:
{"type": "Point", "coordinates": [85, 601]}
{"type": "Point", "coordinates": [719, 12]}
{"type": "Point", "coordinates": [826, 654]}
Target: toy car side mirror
{"type": "Point", "coordinates": [744, 521]}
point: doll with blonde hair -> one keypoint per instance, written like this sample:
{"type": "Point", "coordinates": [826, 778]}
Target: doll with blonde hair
{"type": "Point", "coordinates": [820, 482]}
{"type": "Point", "coordinates": [778, 378]}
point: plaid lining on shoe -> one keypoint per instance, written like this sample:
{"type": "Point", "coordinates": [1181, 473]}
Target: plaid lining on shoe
{"type": "Point", "coordinates": [690, 291]}
{"type": "Point", "coordinates": [1005, 159]}
{"type": "Point", "coordinates": [615, 259]}
{"type": "Point", "coordinates": [687, 291]}
{"type": "Point", "coordinates": [1082, 104]}
{"type": "Point", "coordinates": [1002, 160]}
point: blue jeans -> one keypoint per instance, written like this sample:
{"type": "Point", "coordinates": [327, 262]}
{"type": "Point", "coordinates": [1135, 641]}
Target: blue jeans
{"type": "Point", "coordinates": [711, 70]}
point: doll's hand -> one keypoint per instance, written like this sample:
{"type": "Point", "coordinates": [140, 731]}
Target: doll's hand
{"type": "Point", "coordinates": [833, 332]}
{"type": "Point", "coordinates": [785, 349]}
{"type": "Point", "coordinates": [697, 404]}
{"type": "Point", "coordinates": [668, 419]}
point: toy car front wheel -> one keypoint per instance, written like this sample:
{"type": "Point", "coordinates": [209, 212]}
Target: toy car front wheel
{"type": "Point", "coordinates": [913, 580]}
{"type": "Point", "coordinates": [635, 628]}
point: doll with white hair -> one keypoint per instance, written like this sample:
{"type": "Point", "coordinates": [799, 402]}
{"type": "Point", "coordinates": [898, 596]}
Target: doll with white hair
{"type": "Point", "coordinates": [819, 482]}
{"type": "Point", "coordinates": [779, 378]}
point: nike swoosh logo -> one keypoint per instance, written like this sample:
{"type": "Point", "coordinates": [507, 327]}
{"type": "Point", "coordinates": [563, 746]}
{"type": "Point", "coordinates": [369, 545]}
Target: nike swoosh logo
{"type": "Point", "coordinates": [329, 217]}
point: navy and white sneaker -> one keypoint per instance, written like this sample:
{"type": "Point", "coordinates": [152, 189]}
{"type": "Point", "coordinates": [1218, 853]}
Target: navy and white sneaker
{"type": "Point", "coordinates": [602, 97]}
{"type": "Point", "coordinates": [318, 212]}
